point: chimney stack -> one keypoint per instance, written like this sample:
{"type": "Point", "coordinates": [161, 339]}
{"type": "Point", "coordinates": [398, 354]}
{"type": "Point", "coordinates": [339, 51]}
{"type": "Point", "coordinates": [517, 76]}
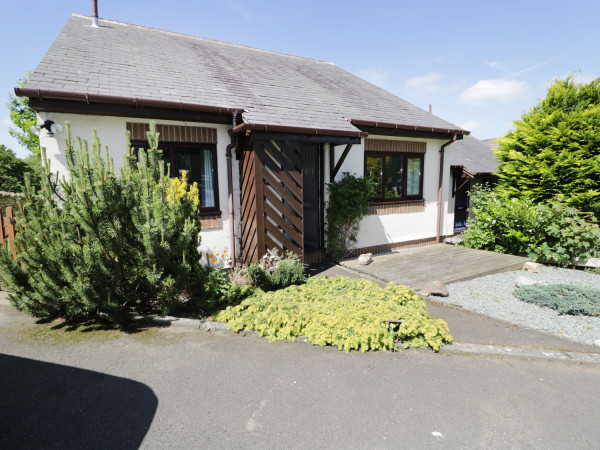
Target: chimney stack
{"type": "Point", "coordinates": [95, 13]}
{"type": "Point", "coordinates": [430, 108]}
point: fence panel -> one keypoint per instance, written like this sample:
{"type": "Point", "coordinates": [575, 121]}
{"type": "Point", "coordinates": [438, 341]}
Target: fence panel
{"type": "Point", "coordinates": [8, 229]}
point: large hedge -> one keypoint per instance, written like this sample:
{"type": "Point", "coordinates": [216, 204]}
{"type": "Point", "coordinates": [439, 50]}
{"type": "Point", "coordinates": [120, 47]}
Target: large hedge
{"type": "Point", "coordinates": [102, 244]}
{"type": "Point", "coordinates": [554, 149]}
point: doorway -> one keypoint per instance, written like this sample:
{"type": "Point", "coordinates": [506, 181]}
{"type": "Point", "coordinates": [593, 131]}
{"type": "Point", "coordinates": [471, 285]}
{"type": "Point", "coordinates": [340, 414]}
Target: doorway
{"type": "Point", "coordinates": [312, 180]}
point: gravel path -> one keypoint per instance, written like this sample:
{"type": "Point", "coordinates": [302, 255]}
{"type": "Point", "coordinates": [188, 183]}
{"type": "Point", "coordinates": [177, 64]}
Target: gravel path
{"type": "Point", "coordinates": [493, 296]}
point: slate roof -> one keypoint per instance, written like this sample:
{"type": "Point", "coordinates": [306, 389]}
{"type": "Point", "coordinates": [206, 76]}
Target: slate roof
{"type": "Point", "coordinates": [474, 155]}
{"type": "Point", "coordinates": [126, 60]}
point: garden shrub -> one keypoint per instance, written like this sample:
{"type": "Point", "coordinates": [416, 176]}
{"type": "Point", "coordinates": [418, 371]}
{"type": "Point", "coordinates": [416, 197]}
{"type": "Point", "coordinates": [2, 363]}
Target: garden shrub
{"type": "Point", "coordinates": [343, 312]}
{"type": "Point", "coordinates": [565, 298]}
{"type": "Point", "coordinates": [276, 271]}
{"type": "Point", "coordinates": [551, 233]}
{"type": "Point", "coordinates": [348, 203]}
{"type": "Point", "coordinates": [221, 291]}
{"type": "Point", "coordinates": [100, 245]}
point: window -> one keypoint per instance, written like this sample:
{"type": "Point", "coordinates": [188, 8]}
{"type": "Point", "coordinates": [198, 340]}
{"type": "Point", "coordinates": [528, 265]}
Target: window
{"type": "Point", "coordinates": [200, 163]}
{"type": "Point", "coordinates": [395, 176]}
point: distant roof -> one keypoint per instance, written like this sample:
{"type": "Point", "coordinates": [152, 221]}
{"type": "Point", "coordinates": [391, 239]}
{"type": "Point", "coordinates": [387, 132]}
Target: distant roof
{"type": "Point", "coordinates": [123, 60]}
{"type": "Point", "coordinates": [474, 155]}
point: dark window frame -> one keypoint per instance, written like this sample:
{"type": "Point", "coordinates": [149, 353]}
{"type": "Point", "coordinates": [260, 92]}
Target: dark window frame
{"type": "Point", "coordinates": [172, 147]}
{"type": "Point", "coordinates": [404, 197]}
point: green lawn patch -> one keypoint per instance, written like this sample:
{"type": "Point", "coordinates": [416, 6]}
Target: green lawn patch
{"type": "Point", "coordinates": [565, 298]}
{"type": "Point", "coordinates": [343, 312]}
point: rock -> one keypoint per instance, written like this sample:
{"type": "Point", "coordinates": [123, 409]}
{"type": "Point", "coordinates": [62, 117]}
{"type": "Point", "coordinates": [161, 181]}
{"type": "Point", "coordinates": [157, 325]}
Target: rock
{"type": "Point", "coordinates": [592, 262]}
{"type": "Point", "coordinates": [524, 281]}
{"type": "Point", "coordinates": [533, 267]}
{"type": "Point", "coordinates": [435, 287]}
{"type": "Point", "coordinates": [597, 342]}
{"type": "Point", "coordinates": [365, 259]}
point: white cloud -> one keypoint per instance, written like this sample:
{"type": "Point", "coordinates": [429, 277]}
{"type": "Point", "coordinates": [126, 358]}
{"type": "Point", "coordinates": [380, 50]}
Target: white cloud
{"type": "Point", "coordinates": [424, 84]}
{"type": "Point", "coordinates": [470, 125]}
{"type": "Point", "coordinates": [6, 122]}
{"type": "Point", "coordinates": [376, 75]}
{"type": "Point", "coordinates": [496, 90]}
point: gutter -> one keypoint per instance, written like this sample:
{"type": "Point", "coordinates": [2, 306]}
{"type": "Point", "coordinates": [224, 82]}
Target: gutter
{"type": "Point", "coordinates": [439, 210]}
{"type": "Point", "coordinates": [301, 130]}
{"type": "Point", "coordinates": [399, 126]}
{"type": "Point", "coordinates": [44, 94]}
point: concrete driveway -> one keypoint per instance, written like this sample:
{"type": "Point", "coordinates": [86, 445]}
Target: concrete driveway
{"type": "Point", "coordinates": [183, 388]}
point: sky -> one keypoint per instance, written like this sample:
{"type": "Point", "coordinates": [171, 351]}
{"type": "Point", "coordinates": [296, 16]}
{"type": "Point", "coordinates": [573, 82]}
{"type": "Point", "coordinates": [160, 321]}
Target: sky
{"type": "Point", "coordinates": [480, 64]}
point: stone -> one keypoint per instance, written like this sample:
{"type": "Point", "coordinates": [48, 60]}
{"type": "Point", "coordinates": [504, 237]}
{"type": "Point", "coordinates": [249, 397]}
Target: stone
{"type": "Point", "coordinates": [524, 281]}
{"type": "Point", "coordinates": [365, 259]}
{"type": "Point", "coordinates": [597, 342]}
{"type": "Point", "coordinates": [435, 287]}
{"type": "Point", "coordinates": [592, 262]}
{"type": "Point", "coordinates": [533, 267]}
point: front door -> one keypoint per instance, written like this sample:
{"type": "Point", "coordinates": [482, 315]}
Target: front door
{"type": "Point", "coordinates": [461, 206]}
{"type": "Point", "coordinates": [312, 191]}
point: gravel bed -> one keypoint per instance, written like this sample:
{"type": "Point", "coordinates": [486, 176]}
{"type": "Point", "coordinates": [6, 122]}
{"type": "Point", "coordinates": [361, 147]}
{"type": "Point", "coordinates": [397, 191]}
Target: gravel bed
{"type": "Point", "coordinates": [493, 296]}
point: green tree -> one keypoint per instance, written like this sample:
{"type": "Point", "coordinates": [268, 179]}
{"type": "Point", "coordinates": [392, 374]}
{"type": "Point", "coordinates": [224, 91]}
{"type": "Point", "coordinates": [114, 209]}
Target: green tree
{"type": "Point", "coordinates": [554, 150]}
{"type": "Point", "coordinates": [23, 117]}
{"type": "Point", "coordinates": [13, 170]}
{"type": "Point", "coordinates": [104, 243]}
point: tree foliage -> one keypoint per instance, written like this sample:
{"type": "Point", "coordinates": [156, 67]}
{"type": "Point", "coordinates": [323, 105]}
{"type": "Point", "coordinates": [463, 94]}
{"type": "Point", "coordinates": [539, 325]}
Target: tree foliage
{"type": "Point", "coordinates": [23, 117]}
{"type": "Point", "coordinates": [98, 244]}
{"type": "Point", "coordinates": [13, 171]}
{"type": "Point", "coordinates": [555, 148]}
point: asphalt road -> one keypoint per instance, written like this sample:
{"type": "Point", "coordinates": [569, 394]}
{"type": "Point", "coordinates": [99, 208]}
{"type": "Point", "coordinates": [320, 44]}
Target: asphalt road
{"type": "Point", "coordinates": [182, 388]}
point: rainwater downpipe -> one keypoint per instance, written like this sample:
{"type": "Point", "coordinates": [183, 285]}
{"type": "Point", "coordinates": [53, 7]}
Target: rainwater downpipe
{"type": "Point", "coordinates": [439, 211]}
{"type": "Point", "coordinates": [230, 187]}
{"type": "Point", "coordinates": [95, 14]}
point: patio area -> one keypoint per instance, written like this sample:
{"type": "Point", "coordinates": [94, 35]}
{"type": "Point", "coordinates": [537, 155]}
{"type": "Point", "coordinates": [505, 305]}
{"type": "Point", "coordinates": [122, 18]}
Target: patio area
{"type": "Point", "coordinates": [416, 266]}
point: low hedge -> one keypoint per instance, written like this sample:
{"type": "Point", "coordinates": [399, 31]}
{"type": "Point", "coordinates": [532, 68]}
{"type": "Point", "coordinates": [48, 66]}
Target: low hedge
{"type": "Point", "coordinates": [347, 313]}
{"type": "Point", "coordinates": [565, 298]}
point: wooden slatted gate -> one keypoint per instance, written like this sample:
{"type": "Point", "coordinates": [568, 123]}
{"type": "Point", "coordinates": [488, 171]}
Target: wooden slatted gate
{"type": "Point", "coordinates": [272, 210]}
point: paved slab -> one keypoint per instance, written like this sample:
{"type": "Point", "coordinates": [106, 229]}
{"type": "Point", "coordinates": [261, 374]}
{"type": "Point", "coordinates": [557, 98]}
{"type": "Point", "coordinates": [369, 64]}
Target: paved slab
{"type": "Point", "coordinates": [416, 266]}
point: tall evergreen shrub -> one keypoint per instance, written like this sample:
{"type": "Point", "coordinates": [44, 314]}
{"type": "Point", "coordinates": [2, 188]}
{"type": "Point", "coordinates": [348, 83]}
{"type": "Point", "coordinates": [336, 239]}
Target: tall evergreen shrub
{"type": "Point", "coordinates": [98, 244]}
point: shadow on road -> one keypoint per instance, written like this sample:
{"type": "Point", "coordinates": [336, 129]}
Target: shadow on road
{"type": "Point", "coordinates": [45, 405]}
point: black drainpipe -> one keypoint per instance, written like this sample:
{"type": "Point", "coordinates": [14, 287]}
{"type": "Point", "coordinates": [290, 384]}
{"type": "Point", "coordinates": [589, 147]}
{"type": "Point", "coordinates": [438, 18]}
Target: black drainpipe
{"type": "Point", "coordinates": [230, 186]}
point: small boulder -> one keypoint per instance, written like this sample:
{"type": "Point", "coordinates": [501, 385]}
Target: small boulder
{"type": "Point", "coordinates": [365, 259]}
{"type": "Point", "coordinates": [592, 262]}
{"type": "Point", "coordinates": [533, 267]}
{"type": "Point", "coordinates": [524, 281]}
{"type": "Point", "coordinates": [435, 287]}
{"type": "Point", "coordinates": [597, 342]}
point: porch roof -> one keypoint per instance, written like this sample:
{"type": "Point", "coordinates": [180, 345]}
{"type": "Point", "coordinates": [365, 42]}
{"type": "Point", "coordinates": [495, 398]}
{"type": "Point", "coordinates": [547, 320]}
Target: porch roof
{"type": "Point", "coordinates": [474, 155]}
{"type": "Point", "coordinates": [143, 64]}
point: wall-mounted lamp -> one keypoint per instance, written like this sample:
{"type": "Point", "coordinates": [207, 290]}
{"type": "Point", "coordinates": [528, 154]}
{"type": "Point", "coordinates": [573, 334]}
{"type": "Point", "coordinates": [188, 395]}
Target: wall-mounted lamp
{"type": "Point", "coordinates": [49, 125]}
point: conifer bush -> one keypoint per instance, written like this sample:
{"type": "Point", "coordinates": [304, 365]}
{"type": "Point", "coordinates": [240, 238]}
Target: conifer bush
{"type": "Point", "coordinates": [343, 312]}
{"type": "Point", "coordinates": [101, 244]}
{"type": "Point", "coordinates": [565, 298]}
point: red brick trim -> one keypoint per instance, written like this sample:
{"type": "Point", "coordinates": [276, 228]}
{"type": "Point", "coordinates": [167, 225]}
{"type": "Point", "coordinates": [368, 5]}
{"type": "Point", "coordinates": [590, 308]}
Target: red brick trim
{"type": "Point", "coordinates": [387, 145]}
{"type": "Point", "coordinates": [174, 133]}
{"type": "Point", "coordinates": [395, 208]}
{"type": "Point", "coordinates": [211, 222]}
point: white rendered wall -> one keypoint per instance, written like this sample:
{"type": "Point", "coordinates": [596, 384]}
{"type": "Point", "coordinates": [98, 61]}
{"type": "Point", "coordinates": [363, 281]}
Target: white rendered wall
{"type": "Point", "coordinates": [111, 131]}
{"type": "Point", "coordinates": [400, 227]}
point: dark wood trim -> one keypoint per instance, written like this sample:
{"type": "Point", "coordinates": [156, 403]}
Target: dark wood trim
{"type": "Point", "coordinates": [261, 246]}
{"type": "Point", "coordinates": [311, 139]}
{"type": "Point", "coordinates": [322, 192]}
{"type": "Point", "coordinates": [338, 166]}
{"type": "Point", "coordinates": [407, 133]}
{"type": "Point", "coordinates": [140, 112]}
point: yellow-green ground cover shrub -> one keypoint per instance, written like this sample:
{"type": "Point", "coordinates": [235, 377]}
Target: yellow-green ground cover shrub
{"type": "Point", "coordinates": [343, 312]}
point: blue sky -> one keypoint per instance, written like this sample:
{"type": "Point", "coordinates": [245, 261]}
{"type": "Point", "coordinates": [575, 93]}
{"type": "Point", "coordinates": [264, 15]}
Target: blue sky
{"type": "Point", "coordinates": [481, 64]}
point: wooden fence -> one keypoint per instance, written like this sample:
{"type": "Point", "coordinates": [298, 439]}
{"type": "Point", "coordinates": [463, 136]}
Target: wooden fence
{"type": "Point", "coordinates": [8, 229]}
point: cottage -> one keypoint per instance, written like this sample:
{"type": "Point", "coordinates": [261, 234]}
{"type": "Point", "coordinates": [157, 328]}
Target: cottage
{"type": "Point", "coordinates": [261, 132]}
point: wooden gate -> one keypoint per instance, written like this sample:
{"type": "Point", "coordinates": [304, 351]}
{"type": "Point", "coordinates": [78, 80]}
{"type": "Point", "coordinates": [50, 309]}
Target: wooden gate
{"type": "Point", "coordinates": [272, 211]}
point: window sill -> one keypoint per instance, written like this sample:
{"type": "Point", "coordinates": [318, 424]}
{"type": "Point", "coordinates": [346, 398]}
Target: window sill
{"type": "Point", "coordinates": [396, 207]}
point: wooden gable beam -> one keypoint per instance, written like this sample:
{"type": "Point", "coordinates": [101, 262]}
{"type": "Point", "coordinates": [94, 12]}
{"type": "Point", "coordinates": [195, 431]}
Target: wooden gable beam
{"type": "Point", "coordinates": [333, 170]}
